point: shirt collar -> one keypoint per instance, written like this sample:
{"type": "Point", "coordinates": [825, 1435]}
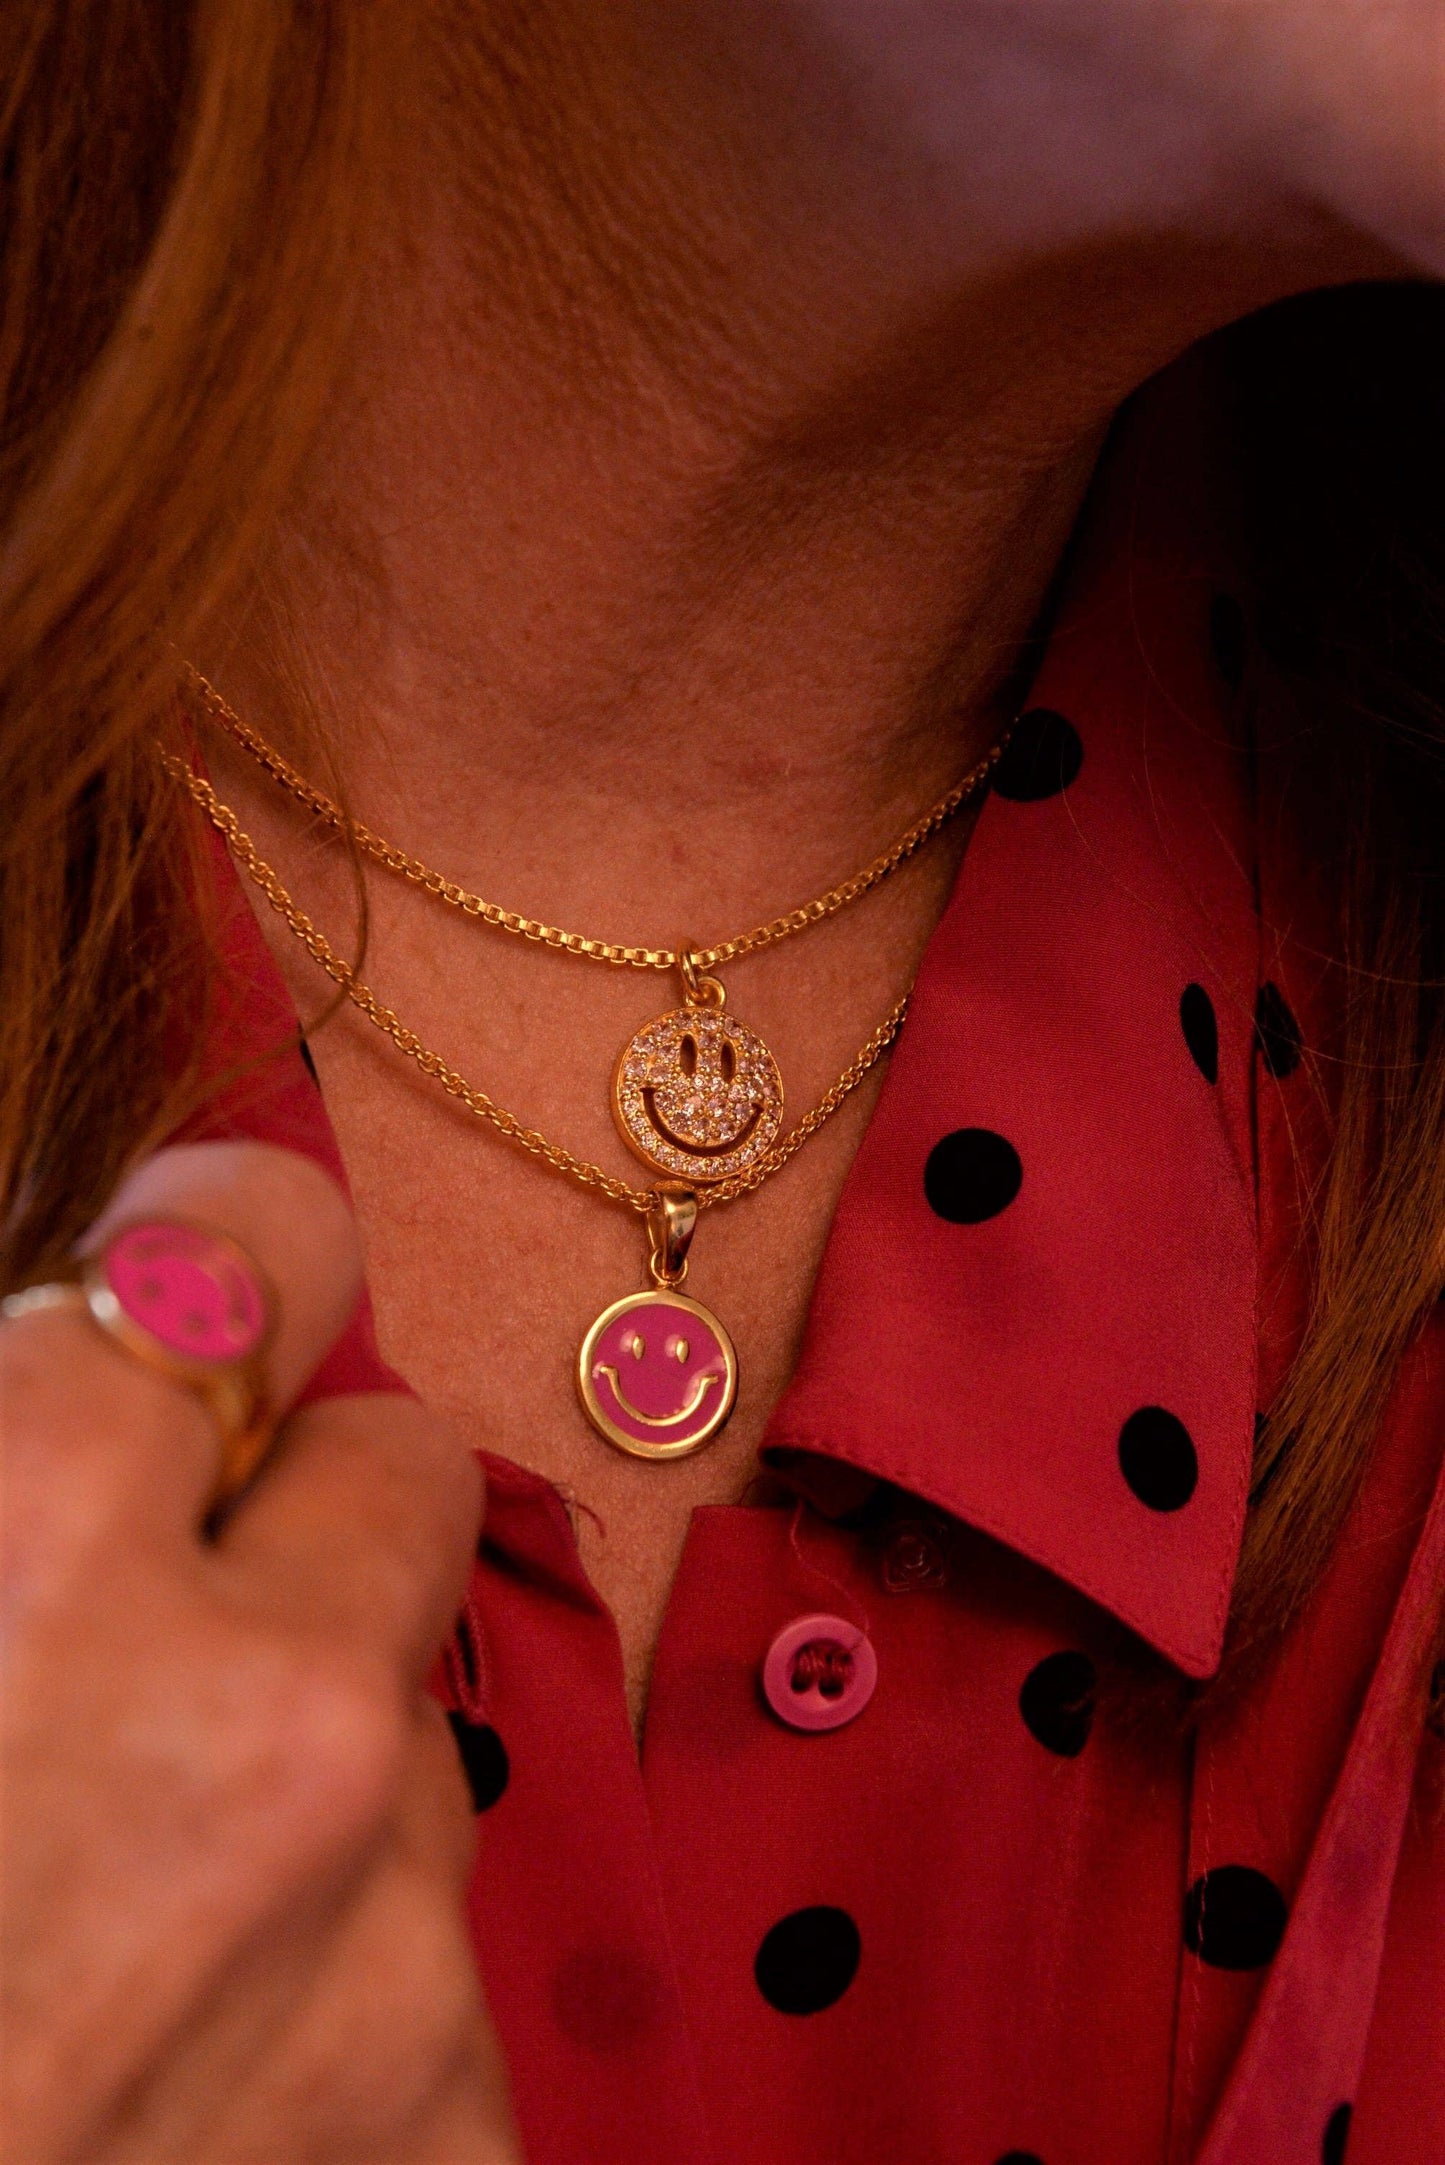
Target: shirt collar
{"type": "Point", "coordinates": [1070, 1367]}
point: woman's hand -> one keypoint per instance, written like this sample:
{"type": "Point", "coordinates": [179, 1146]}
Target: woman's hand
{"type": "Point", "coordinates": [235, 1830]}
{"type": "Point", "coordinates": [1051, 121]}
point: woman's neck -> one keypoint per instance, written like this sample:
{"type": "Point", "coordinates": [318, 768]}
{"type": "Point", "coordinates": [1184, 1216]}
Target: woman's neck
{"type": "Point", "coordinates": [693, 488]}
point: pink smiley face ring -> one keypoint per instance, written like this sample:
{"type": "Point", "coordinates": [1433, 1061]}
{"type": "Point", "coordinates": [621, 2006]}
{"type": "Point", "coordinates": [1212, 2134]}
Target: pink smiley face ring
{"type": "Point", "coordinates": [192, 1292]}
{"type": "Point", "coordinates": [657, 1374]}
{"type": "Point", "coordinates": [186, 1300]}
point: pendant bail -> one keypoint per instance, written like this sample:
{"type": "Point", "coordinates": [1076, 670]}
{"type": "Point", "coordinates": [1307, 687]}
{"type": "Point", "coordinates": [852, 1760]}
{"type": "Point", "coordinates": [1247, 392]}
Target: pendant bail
{"type": "Point", "coordinates": [698, 990]}
{"type": "Point", "coordinates": [670, 1224]}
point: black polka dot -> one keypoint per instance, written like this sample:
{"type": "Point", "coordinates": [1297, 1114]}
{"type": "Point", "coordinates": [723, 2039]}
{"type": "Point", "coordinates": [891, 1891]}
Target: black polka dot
{"type": "Point", "coordinates": [310, 1064]}
{"type": "Point", "coordinates": [1234, 1918]}
{"type": "Point", "coordinates": [1201, 1030]}
{"type": "Point", "coordinates": [1276, 1032]}
{"type": "Point", "coordinates": [808, 1960]}
{"type": "Point", "coordinates": [1228, 638]}
{"type": "Point", "coordinates": [484, 1760]}
{"type": "Point", "coordinates": [1337, 2134]}
{"type": "Point", "coordinates": [1057, 1702]}
{"type": "Point", "coordinates": [971, 1175]}
{"type": "Point", "coordinates": [1019, 2157]}
{"type": "Point", "coordinates": [1158, 1459]}
{"type": "Point", "coordinates": [1042, 756]}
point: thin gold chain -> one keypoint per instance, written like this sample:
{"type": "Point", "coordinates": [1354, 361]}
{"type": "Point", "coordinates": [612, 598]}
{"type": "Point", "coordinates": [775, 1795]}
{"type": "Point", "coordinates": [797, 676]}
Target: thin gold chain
{"type": "Point", "coordinates": [435, 883]}
{"type": "Point", "coordinates": [476, 1101]}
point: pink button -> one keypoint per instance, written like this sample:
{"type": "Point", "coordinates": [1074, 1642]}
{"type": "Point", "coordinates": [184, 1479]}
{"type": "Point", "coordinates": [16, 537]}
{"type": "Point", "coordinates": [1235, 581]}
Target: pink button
{"type": "Point", "coordinates": [819, 1672]}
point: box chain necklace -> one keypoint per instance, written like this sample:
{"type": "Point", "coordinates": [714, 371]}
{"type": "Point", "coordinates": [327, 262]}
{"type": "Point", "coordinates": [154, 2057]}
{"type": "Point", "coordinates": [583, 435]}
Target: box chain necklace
{"type": "Point", "coordinates": [696, 1096]}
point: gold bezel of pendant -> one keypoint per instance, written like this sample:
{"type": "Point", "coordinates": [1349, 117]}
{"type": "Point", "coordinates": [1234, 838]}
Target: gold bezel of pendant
{"type": "Point", "coordinates": [633, 1087]}
{"type": "Point", "coordinates": [596, 1413]}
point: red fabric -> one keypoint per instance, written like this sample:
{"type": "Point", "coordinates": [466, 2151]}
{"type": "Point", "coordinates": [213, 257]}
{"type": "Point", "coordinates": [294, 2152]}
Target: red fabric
{"type": "Point", "coordinates": [1051, 1927]}
{"type": "Point", "coordinates": [256, 1083]}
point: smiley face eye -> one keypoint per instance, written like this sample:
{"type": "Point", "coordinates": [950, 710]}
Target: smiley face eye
{"type": "Point", "coordinates": [636, 1345]}
{"type": "Point", "coordinates": [728, 1060]}
{"type": "Point", "coordinates": [687, 1055]}
{"type": "Point", "coordinates": [679, 1349]}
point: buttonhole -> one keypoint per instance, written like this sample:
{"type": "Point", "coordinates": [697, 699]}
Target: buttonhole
{"type": "Point", "coordinates": [822, 1666]}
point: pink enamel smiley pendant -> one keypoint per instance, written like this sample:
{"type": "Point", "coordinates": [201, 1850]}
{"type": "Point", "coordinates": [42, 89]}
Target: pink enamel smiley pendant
{"type": "Point", "coordinates": [657, 1373]}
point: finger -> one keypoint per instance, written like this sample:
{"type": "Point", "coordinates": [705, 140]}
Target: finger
{"type": "Point", "coordinates": [100, 1454]}
{"type": "Point", "coordinates": [365, 1522]}
{"type": "Point", "coordinates": [91, 1432]}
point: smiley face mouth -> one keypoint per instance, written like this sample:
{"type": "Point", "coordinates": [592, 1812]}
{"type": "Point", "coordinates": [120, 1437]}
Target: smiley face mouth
{"type": "Point", "coordinates": [700, 1389]}
{"type": "Point", "coordinates": [697, 1150]}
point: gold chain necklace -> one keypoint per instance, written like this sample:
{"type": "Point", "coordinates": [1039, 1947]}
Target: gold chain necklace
{"type": "Point", "coordinates": [695, 1095]}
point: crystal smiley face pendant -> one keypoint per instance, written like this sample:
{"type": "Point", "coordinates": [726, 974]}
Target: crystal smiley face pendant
{"type": "Point", "coordinates": [694, 1094]}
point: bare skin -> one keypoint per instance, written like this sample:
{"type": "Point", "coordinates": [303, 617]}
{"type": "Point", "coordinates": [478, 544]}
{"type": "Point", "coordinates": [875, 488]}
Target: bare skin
{"type": "Point", "coordinates": [728, 378]}
{"type": "Point", "coordinates": [235, 1832]}
{"type": "Point", "coordinates": [705, 465]}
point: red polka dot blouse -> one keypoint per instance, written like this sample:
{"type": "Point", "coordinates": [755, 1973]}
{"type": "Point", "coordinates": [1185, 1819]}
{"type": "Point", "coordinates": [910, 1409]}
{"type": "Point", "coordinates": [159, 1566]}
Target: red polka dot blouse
{"type": "Point", "coordinates": [920, 1860]}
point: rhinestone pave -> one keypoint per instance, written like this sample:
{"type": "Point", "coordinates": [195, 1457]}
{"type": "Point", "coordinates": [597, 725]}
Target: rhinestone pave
{"type": "Point", "coordinates": [697, 1095]}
